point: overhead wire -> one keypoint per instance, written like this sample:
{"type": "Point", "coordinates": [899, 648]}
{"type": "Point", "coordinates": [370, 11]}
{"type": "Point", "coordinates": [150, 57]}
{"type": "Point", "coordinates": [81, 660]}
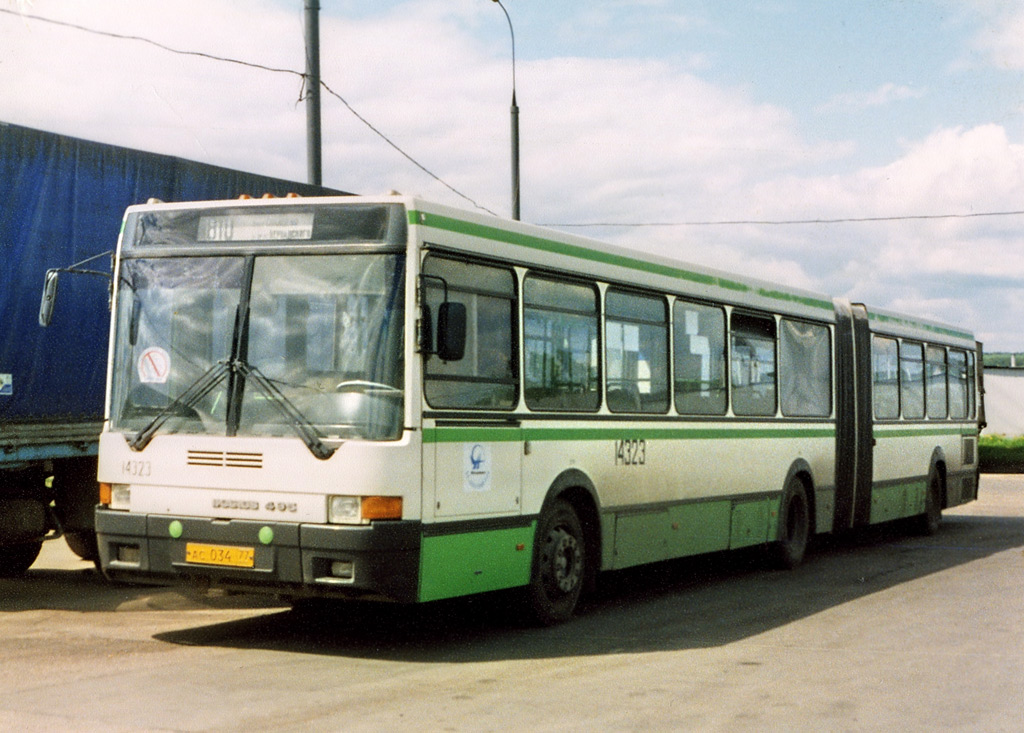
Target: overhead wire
{"type": "Point", "coordinates": [431, 174]}
{"type": "Point", "coordinates": [785, 222]}
{"type": "Point", "coordinates": [260, 67]}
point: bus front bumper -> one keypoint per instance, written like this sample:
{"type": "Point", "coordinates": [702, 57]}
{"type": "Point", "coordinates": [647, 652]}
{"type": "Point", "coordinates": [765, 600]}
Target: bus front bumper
{"type": "Point", "coordinates": [379, 560]}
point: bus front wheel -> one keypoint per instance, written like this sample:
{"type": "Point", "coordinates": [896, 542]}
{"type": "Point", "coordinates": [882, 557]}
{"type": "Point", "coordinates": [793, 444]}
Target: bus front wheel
{"type": "Point", "coordinates": [559, 564]}
{"type": "Point", "coordinates": [794, 526]}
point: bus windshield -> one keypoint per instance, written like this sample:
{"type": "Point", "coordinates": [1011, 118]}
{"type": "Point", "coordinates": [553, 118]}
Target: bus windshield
{"type": "Point", "coordinates": [261, 345]}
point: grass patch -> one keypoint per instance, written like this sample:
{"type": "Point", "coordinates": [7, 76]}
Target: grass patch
{"type": "Point", "coordinates": [1001, 453]}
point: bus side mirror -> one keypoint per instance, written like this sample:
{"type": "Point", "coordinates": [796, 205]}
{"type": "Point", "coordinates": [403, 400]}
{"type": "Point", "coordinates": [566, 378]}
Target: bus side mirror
{"type": "Point", "coordinates": [49, 300]}
{"type": "Point", "coordinates": [451, 331]}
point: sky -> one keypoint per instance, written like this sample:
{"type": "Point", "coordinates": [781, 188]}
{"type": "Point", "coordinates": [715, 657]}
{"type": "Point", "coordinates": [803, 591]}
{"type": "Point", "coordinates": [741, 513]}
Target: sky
{"type": "Point", "coordinates": [706, 131]}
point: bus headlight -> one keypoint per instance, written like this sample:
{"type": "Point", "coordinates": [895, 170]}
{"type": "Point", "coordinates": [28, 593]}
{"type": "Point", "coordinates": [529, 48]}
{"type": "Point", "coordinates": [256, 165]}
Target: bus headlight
{"type": "Point", "coordinates": [359, 509]}
{"type": "Point", "coordinates": [343, 510]}
{"type": "Point", "coordinates": [116, 496]}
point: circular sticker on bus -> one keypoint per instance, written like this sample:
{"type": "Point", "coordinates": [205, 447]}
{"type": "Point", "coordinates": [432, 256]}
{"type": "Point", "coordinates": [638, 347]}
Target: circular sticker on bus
{"type": "Point", "coordinates": [476, 462]}
{"type": "Point", "coordinates": [154, 365]}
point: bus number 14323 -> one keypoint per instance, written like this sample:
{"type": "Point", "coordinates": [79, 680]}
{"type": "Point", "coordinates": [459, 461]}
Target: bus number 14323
{"type": "Point", "coordinates": [630, 452]}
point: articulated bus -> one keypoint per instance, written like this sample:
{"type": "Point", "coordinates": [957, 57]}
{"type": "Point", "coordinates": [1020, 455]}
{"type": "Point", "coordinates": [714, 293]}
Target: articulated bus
{"type": "Point", "coordinates": [386, 398]}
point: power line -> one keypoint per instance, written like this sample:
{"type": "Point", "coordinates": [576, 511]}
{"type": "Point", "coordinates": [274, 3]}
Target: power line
{"type": "Point", "coordinates": [124, 37]}
{"type": "Point", "coordinates": [407, 156]}
{"type": "Point", "coordinates": [403, 153]}
{"type": "Point", "coordinates": [783, 222]}
{"type": "Point", "coordinates": [260, 67]}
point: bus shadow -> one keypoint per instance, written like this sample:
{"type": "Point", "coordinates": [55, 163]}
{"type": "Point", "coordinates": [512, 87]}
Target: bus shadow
{"type": "Point", "coordinates": [689, 604]}
{"type": "Point", "coordinates": [85, 590]}
{"type": "Point", "coordinates": [58, 590]}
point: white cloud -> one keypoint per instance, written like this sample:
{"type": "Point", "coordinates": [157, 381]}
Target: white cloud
{"type": "Point", "coordinates": [602, 140]}
{"type": "Point", "coordinates": [1001, 38]}
{"type": "Point", "coordinates": [880, 97]}
{"type": "Point", "coordinates": [132, 93]}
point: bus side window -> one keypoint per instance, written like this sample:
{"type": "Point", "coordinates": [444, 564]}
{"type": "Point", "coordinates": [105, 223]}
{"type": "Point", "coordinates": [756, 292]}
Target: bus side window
{"type": "Point", "coordinates": [805, 369]}
{"type": "Point", "coordinates": [636, 352]}
{"type": "Point", "coordinates": [885, 377]}
{"type": "Point", "coordinates": [912, 380]}
{"type": "Point", "coordinates": [753, 365]}
{"type": "Point", "coordinates": [486, 376]}
{"type": "Point", "coordinates": [935, 369]}
{"type": "Point", "coordinates": [560, 328]}
{"type": "Point", "coordinates": [699, 338]}
{"type": "Point", "coordinates": [972, 397]}
{"type": "Point", "coordinates": [958, 400]}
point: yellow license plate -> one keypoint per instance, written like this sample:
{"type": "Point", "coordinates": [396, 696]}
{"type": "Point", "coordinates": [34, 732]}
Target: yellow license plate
{"type": "Point", "coordinates": [236, 557]}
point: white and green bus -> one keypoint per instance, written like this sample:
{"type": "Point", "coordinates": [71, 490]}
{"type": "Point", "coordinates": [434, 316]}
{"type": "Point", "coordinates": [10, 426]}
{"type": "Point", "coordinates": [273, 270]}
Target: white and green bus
{"type": "Point", "coordinates": [388, 398]}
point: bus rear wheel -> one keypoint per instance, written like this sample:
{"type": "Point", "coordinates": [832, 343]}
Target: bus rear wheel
{"type": "Point", "coordinates": [794, 526]}
{"type": "Point", "coordinates": [929, 522]}
{"type": "Point", "coordinates": [559, 565]}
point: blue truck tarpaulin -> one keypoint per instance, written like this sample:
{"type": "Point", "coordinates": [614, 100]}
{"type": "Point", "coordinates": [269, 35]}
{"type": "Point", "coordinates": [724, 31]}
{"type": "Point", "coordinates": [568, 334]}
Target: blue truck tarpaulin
{"type": "Point", "coordinates": [62, 200]}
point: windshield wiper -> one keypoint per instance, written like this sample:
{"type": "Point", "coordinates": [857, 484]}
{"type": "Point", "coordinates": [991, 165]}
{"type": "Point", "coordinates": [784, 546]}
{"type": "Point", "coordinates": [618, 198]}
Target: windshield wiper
{"type": "Point", "coordinates": [201, 387]}
{"type": "Point", "coordinates": [209, 380]}
{"type": "Point", "coordinates": [303, 427]}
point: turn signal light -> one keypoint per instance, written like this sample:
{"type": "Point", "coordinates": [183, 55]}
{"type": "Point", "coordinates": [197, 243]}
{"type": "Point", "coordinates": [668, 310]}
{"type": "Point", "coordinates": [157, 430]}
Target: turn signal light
{"type": "Point", "coordinates": [106, 493]}
{"type": "Point", "coordinates": [382, 507]}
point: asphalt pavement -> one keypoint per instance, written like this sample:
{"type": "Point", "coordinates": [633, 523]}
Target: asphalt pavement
{"type": "Point", "coordinates": [883, 631]}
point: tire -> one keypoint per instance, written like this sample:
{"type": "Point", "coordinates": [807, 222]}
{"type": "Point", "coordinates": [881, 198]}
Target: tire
{"type": "Point", "coordinates": [794, 526]}
{"type": "Point", "coordinates": [16, 559]}
{"type": "Point", "coordinates": [929, 522]}
{"type": "Point", "coordinates": [559, 565]}
{"type": "Point", "coordinates": [83, 544]}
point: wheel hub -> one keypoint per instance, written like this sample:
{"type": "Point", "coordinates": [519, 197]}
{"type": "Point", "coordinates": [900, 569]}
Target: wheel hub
{"type": "Point", "coordinates": [566, 566]}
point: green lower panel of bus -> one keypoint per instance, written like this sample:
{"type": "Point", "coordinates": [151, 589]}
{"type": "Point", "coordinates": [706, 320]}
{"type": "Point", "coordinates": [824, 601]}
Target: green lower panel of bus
{"type": "Point", "coordinates": [690, 529]}
{"type": "Point", "coordinates": [475, 562]}
{"type": "Point", "coordinates": [897, 501]}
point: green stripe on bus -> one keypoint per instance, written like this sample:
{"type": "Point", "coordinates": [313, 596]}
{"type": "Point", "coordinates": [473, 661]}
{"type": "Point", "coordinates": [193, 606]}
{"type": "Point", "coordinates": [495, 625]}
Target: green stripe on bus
{"type": "Point", "coordinates": [475, 562]}
{"type": "Point", "coordinates": [885, 432]}
{"type": "Point", "coordinates": [497, 234]}
{"type": "Point", "coordinates": [502, 435]}
{"type": "Point", "coordinates": [909, 322]}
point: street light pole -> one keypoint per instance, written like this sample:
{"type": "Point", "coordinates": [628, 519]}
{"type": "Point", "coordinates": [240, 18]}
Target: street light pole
{"type": "Point", "coordinates": [515, 121]}
{"type": "Point", "coordinates": [313, 150]}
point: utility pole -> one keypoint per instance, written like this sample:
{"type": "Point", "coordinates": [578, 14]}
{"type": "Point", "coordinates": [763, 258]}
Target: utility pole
{"type": "Point", "coordinates": [515, 157]}
{"type": "Point", "coordinates": [313, 150]}
{"type": "Point", "coordinates": [515, 121]}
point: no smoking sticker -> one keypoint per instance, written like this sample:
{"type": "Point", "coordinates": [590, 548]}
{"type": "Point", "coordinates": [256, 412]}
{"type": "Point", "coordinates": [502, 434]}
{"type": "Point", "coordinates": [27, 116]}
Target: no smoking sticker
{"type": "Point", "coordinates": [154, 366]}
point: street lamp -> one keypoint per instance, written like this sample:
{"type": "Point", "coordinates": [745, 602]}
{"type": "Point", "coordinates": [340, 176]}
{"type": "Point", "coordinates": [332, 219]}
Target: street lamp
{"type": "Point", "coordinates": [313, 152]}
{"type": "Point", "coordinates": [515, 121]}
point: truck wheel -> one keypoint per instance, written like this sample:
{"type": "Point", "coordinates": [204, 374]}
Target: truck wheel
{"type": "Point", "coordinates": [83, 544]}
{"type": "Point", "coordinates": [77, 493]}
{"type": "Point", "coordinates": [16, 559]}
{"type": "Point", "coordinates": [559, 565]}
